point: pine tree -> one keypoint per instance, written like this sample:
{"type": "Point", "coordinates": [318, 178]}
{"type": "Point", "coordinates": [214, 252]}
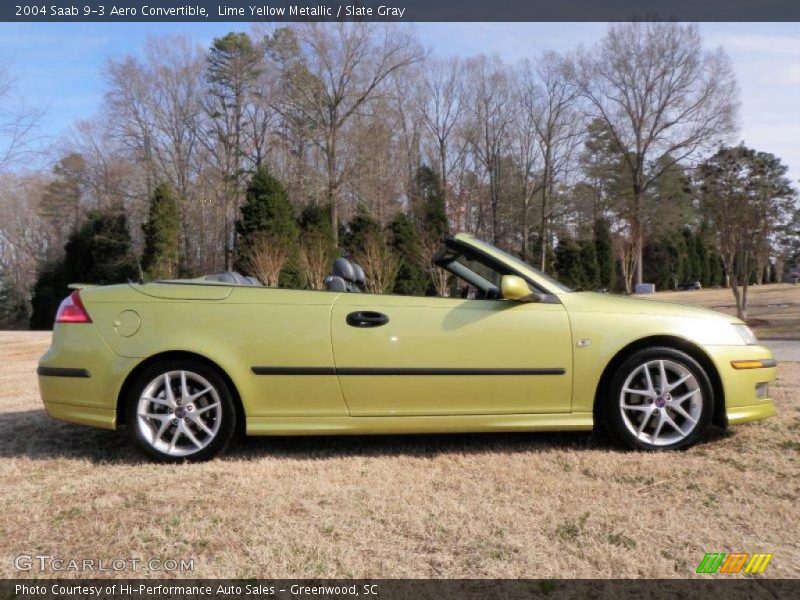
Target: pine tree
{"type": "Point", "coordinates": [429, 207]}
{"type": "Point", "coordinates": [411, 279]}
{"type": "Point", "coordinates": [588, 269]}
{"type": "Point", "coordinates": [162, 235]}
{"type": "Point", "coordinates": [13, 310]}
{"type": "Point", "coordinates": [60, 207]}
{"type": "Point", "coordinates": [316, 250]}
{"type": "Point", "coordinates": [666, 260]}
{"type": "Point", "coordinates": [693, 267]}
{"type": "Point", "coordinates": [362, 226]}
{"type": "Point", "coordinates": [266, 214]}
{"type": "Point", "coordinates": [98, 252]}
{"type": "Point", "coordinates": [316, 218]}
{"type": "Point", "coordinates": [536, 250]}
{"type": "Point", "coordinates": [48, 292]}
{"type": "Point", "coordinates": [605, 254]}
{"type": "Point", "coordinates": [566, 262]}
{"type": "Point", "coordinates": [701, 254]}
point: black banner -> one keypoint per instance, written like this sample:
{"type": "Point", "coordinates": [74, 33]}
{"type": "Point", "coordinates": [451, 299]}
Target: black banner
{"type": "Point", "coordinates": [398, 10]}
{"type": "Point", "coordinates": [395, 589]}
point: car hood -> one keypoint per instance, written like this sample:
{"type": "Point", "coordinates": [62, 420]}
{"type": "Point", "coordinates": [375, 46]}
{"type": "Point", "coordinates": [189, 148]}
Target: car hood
{"type": "Point", "coordinates": [612, 303]}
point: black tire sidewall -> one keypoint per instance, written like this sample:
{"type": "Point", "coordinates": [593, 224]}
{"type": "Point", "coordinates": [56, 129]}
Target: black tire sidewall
{"type": "Point", "coordinates": [227, 425]}
{"type": "Point", "coordinates": [612, 415]}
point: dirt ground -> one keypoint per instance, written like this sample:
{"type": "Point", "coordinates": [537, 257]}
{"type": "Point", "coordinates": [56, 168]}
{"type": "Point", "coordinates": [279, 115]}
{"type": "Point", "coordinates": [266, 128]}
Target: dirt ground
{"type": "Point", "coordinates": [773, 310]}
{"type": "Point", "coordinates": [521, 505]}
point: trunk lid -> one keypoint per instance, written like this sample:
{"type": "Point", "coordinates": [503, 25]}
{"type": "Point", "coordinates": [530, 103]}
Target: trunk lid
{"type": "Point", "coordinates": [185, 290]}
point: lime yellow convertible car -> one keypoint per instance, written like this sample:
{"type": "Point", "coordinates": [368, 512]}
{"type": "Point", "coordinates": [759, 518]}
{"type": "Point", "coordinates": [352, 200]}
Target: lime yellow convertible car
{"type": "Point", "coordinates": [187, 364]}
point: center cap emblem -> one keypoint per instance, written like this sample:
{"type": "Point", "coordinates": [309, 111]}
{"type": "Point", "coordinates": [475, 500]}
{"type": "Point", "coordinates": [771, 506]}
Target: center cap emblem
{"type": "Point", "coordinates": [180, 412]}
{"type": "Point", "coordinates": [660, 402]}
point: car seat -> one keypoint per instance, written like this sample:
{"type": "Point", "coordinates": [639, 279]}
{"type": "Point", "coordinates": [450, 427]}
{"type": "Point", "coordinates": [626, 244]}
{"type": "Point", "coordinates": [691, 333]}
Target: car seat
{"type": "Point", "coordinates": [344, 277]}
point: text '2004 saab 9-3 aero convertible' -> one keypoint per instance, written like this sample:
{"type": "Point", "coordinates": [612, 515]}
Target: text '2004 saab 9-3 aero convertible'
{"type": "Point", "coordinates": [186, 364]}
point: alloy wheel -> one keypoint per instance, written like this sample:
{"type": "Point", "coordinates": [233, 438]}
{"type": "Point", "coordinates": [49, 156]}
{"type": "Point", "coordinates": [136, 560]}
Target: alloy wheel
{"type": "Point", "coordinates": [179, 413]}
{"type": "Point", "coordinates": [661, 402]}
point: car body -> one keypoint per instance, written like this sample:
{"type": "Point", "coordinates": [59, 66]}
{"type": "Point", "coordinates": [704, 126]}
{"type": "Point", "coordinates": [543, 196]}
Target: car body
{"type": "Point", "coordinates": [524, 353]}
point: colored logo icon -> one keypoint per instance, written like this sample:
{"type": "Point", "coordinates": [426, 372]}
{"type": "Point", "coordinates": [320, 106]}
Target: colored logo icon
{"type": "Point", "coordinates": [737, 562]}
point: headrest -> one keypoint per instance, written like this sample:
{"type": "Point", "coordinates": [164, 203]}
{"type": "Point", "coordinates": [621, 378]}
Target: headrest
{"type": "Point", "coordinates": [334, 283]}
{"type": "Point", "coordinates": [344, 269]}
{"type": "Point", "coordinates": [360, 276]}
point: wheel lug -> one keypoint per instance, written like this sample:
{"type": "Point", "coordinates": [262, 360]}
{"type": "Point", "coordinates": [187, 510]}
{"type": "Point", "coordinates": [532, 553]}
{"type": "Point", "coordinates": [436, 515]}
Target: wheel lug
{"type": "Point", "coordinates": [649, 400]}
{"type": "Point", "coordinates": [655, 411]}
{"type": "Point", "coordinates": [186, 419]}
{"type": "Point", "coordinates": [174, 421]}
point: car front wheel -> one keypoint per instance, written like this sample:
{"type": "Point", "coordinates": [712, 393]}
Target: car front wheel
{"type": "Point", "coordinates": [660, 399]}
{"type": "Point", "coordinates": [180, 411]}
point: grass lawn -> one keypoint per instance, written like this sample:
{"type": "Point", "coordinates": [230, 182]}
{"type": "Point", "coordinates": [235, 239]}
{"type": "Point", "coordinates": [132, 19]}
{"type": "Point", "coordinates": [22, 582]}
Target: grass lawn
{"type": "Point", "coordinates": [521, 505]}
{"type": "Point", "coordinates": [773, 309]}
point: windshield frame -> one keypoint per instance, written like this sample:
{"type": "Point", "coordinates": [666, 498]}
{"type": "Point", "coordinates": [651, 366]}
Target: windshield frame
{"type": "Point", "coordinates": [483, 251]}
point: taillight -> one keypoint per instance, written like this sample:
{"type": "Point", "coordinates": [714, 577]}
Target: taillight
{"type": "Point", "coordinates": [71, 310]}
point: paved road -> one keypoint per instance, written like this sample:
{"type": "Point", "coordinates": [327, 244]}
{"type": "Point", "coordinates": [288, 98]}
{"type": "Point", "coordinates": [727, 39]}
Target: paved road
{"type": "Point", "coordinates": [784, 350]}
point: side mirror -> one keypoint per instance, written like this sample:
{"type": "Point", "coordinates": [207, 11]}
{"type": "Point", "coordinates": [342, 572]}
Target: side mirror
{"type": "Point", "coordinates": [516, 289]}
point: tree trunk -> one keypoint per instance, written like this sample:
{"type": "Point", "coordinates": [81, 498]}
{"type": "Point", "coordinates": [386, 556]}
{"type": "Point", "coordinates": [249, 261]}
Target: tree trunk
{"type": "Point", "coordinates": [443, 162]}
{"type": "Point", "coordinates": [493, 191]}
{"type": "Point", "coordinates": [525, 225]}
{"type": "Point", "coordinates": [331, 173]}
{"type": "Point", "coordinates": [543, 222]}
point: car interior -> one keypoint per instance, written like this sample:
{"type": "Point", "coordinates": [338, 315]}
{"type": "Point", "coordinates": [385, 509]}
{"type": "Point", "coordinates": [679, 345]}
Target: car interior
{"type": "Point", "coordinates": [477, 278]}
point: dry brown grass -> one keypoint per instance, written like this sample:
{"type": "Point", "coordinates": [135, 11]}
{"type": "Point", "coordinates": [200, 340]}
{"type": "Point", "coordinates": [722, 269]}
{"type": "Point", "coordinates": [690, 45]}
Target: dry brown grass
{"type": "Point", "coordinates": [778, 305]}
{"type": "Point", "coordinates": [526, 505]}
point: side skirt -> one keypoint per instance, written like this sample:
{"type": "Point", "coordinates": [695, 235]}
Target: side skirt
{"type": "Point", "coordinates": [421, 424]}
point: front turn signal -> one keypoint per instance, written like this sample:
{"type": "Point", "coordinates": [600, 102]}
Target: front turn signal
{"type": "Point", "coordinates": [763, 363]}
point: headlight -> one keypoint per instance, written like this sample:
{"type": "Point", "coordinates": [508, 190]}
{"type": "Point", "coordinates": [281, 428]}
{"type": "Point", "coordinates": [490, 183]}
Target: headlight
{"type": "Point", "coordinates": [747, 335]}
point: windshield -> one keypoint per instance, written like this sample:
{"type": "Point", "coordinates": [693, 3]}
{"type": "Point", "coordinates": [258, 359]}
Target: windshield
{"type": "Point", "coordinates": [521, 265]}
{"type": "Point", "coordinates": [516, 263]}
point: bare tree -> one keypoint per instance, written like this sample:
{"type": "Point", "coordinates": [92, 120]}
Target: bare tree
{"type": "Point", "coordinates": [314, 259]}
{"type": "Point", "coordinates": [660, 94]}
{"type": "Point", "coordinates": [441, 101]}
{"type": "Point", "coordinates": [234, 65]}
{"type": "Point", "coordinates": [331, 71]}
{"type": "Point", "coordinates": [24, 239]}
{"type": "Point", "coordinates": [17, 121]}
{"type": "Point", "coordinates": [745, 196]}
{"type": "Point", "coordinates": [550, 101]}
{"type": "Point", "coordinates": [379, 263]}
{"type": "Point", "coordinates": [267, 256]}
{"type": "Point", "coordinates": [429, 245]}
{"type": "Point", "coordinates": [491, 112]}
{"type": "Point", "coordinates": [153, 107]}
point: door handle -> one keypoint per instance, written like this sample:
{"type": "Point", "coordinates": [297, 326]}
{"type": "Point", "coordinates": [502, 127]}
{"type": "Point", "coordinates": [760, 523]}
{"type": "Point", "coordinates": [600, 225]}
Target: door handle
{"type": "Point", "coordinates": [367, 318]}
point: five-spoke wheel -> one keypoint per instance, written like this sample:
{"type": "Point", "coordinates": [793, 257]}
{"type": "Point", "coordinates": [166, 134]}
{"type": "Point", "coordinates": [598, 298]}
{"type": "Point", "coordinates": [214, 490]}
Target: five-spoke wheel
{"type": "Point", "coordinates": [180, 410]}
{"type": "Point", "coordinates": [660, 398]}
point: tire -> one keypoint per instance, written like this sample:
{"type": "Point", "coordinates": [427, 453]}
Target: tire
{"type": "Point", "coordinates": [638, 412]}
{"type": "Point", "coordinates": [193, 423]}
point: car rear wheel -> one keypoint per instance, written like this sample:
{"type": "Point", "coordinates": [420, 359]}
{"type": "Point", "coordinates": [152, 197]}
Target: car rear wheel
{"type": "Point", "coordinates": [180, 410]}
{"type": "Point", "coordinates": [659, 399]}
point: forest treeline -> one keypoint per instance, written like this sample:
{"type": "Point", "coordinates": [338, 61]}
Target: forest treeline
{"type": "Point", "coordinates": [275, 150]}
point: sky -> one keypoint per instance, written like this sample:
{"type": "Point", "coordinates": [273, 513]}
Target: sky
{"type": "Point", "coordinates": [59, 65]}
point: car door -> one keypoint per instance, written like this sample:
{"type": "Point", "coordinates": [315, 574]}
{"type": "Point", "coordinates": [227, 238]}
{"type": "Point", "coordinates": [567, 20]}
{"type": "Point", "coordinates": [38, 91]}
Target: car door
{"type": "Point", "coordinates": [403, 355]}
